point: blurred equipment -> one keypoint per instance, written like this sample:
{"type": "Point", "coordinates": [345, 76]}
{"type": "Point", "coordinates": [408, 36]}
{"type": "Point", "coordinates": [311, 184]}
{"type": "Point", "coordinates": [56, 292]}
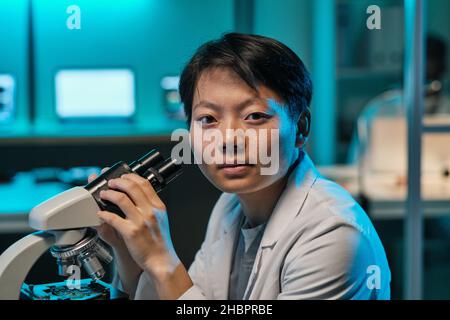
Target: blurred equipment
{"type": "Point", "coordinates": [6, 99]}
{"type": "Point", "coordinates": [64, 223]}
{"type": "Point", "coordinates": [95, 93]}
{"type": "Point", "coordinates": [384, 164]}
{"type": "Point", "coordinates": [171, 98]}
{"type": "Point", "coordinates": [389, 147]}
{"type": "Point", "coordinates": [75, 176]}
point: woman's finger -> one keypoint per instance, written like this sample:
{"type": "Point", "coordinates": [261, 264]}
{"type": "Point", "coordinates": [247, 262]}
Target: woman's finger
{"type": "Point", "coordinates": [123, 202]}
{"type": "Point", "coordinates": [132, 189]}
{"type": "Point", "coordinates": [112, 219]}
{"type": "Point", "coordinates": [147, 188]}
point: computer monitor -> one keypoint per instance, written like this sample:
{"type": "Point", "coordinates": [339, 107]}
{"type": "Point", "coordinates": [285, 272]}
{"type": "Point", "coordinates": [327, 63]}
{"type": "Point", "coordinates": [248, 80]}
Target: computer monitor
{"type": "Point", "coordinates": [171, 98]}
{"type": "Point", "coordinates": [95, 93]}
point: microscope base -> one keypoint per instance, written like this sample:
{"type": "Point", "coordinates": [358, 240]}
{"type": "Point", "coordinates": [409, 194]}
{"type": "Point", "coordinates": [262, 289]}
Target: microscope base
{"type": "Point", "coordinates": [89, 290]}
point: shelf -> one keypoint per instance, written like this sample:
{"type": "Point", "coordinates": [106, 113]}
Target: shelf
{"type": "Point", "coordinates": [76, 133]}
{"type": "Point", "coordinates": [343, 73]}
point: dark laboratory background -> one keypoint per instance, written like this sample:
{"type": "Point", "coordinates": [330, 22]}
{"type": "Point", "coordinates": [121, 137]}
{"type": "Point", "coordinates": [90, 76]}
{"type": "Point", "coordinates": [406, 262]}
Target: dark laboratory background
{"type": "Point", "coordinates": [50, 139]}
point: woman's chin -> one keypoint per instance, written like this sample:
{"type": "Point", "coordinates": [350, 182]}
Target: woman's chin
{"type": "Point", "coordinates": [236, 186]}
{"type": "Point", "coordinates": [236, 182]}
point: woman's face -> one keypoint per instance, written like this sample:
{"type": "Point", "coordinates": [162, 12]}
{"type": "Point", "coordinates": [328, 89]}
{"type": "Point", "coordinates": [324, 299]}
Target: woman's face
{"type": "Point", "coordinates": [223, 101]}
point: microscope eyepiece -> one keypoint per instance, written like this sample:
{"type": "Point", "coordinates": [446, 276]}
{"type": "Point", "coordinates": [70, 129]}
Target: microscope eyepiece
{"type": "Point", "coordinates": [169, 169]}
{"type": "Point", "coordinates": [147, 161]}
{"type": "Point", "coordinates": [151, 166]}
{"type": "Point", "coordinates": [162, 174]}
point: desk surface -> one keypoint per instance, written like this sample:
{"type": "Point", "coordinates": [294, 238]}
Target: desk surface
{"type": "Point", "coordinates": [20, 196]}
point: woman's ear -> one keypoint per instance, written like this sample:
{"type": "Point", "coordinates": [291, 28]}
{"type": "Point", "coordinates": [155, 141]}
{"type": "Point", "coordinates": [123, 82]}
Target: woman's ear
{"type": "Point", "coordinates": [303, 128]}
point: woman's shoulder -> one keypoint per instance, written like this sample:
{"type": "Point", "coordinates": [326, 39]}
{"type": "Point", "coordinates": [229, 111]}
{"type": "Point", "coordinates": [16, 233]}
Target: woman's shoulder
{"type": "Point", "coordinates": [329, 205]}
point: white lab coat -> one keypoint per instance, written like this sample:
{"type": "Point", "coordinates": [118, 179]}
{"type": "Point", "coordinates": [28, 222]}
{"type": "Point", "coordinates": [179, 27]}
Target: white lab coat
{"type": "Point", "coordinates": [318, 244]}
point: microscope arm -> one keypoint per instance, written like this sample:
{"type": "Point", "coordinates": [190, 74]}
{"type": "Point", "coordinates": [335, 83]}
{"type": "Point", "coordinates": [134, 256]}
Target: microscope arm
{"type": "Point", "coordinates": [18, 260]}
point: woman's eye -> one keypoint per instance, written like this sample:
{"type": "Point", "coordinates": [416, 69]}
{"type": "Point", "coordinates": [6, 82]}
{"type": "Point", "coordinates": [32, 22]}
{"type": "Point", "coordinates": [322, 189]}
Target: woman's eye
{"type": "Point", "coordinates": [257, 116]}
{"type": "Point", "coordinates": [206, 119]}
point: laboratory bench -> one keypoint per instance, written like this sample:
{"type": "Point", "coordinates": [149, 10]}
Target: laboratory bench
{"type": "Point", "coordinates": [383, 199]}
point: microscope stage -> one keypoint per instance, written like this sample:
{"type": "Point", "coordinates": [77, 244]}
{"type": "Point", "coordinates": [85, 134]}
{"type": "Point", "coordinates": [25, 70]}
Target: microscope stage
{"type": "Point", "coordinates": [89, 290]}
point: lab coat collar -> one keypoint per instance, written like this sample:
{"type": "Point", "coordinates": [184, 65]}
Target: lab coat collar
{"type": "Point", "coordinates": [291, 201]}
{"type": "Point", "coordinates": [222, 251]}
{"type": "Point", "coordinates": [287, 208]}
{"type": "Point", "coordinates": [235, 213]}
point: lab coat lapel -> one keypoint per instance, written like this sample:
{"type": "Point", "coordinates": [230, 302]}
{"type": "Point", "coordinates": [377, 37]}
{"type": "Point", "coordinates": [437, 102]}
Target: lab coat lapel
{"type": "Point", "coordinates": [222, 252]}
{"type": "Point", "coordinates": [287, 208]}
{"type": "Point", "coordinates": [291, 201]}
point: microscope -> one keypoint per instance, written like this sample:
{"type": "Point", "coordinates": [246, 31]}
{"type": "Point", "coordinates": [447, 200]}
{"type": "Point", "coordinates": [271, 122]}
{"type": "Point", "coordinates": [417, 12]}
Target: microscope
{"type": "Point", "coordinates": [64, 223]}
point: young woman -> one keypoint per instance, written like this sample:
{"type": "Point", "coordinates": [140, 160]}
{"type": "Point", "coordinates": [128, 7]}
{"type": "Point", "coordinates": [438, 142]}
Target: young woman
{"type": "Point", "coordinates": [287, 235]}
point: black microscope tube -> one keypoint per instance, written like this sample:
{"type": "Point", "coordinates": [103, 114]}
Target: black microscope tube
{"type": "Point", "coordinates": [149, 160]}
{"type": "Point", "coordinates": [162, 174]}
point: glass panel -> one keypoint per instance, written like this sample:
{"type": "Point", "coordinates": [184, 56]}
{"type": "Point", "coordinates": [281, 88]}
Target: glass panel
{"type": "Point", "coordinates": [371, 127]}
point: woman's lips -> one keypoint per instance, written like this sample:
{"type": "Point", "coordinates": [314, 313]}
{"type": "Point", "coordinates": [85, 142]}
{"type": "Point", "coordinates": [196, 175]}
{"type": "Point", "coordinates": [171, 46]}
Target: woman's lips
{"type": "Point", "coordinates": [235, 169]}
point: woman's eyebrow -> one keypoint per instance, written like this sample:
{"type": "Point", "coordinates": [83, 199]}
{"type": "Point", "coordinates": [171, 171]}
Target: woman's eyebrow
{"type": "Point", "coordinates": [241, 105]}
{"type": "Point", "coordinates": [206, 104]}
{"type": "Point", "coordinates": [249, 101]}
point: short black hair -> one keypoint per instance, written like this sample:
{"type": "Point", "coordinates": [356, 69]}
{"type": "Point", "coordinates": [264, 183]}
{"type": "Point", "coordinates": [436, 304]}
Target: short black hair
{"type": "Point", "coordinates": [255, 59]}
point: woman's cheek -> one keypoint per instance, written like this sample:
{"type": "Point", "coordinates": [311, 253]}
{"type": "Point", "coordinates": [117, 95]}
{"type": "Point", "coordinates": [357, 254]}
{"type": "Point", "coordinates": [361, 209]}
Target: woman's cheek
{"type": "Point", "coordinates": [197, 146]}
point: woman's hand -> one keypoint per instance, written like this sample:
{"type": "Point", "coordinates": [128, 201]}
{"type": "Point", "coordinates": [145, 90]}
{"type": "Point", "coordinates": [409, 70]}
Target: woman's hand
{"type": "Point", "coordinates": [145, 231]}
{"type": "Point", "coordinates": [127, 270]}
{"type": "Point", "coordinates": [143, 237]}
{"type": "Point", "coordinates": [105, 231]}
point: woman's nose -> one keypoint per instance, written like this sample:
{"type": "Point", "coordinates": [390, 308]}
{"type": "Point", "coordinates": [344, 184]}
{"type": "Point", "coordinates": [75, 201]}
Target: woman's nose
{"type": "Point", "coordinates": [232, 134]}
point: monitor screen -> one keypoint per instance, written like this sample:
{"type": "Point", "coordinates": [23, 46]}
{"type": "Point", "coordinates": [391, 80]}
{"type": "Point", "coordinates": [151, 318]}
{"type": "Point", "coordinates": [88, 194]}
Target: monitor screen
{"type": "Point", "coordinates": [95, 93]}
